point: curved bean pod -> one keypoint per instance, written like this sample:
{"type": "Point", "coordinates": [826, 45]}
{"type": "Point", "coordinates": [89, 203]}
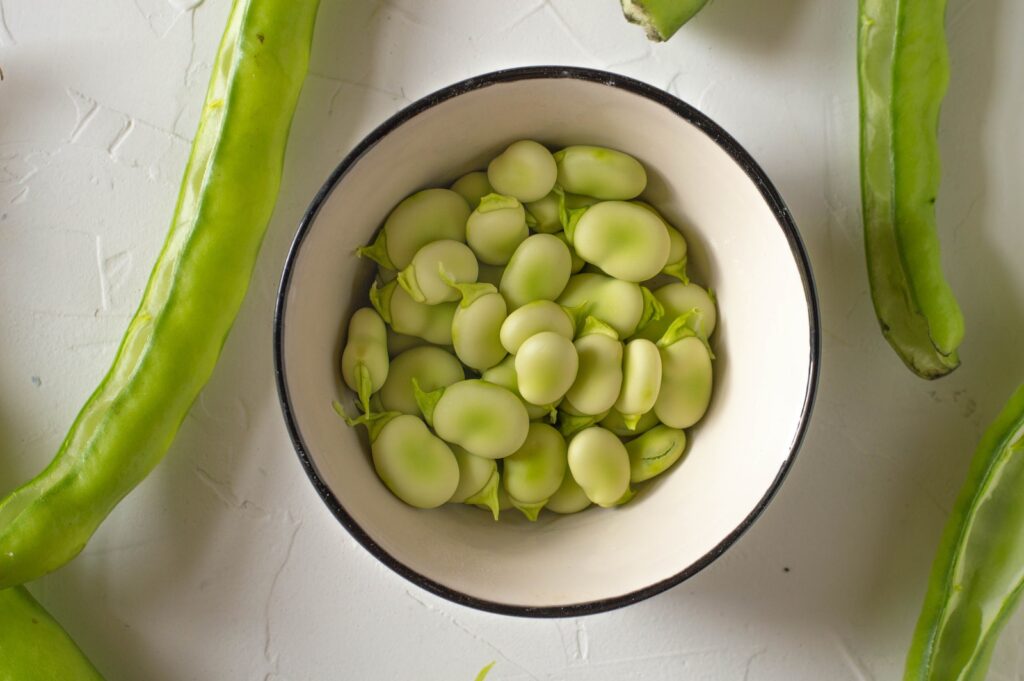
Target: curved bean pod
{"type": "Point", "coordinates": [546, 366]}
{"type": "Point", "coordinates": [534, 472]}
{"type": "Point", "coordinates": [654, 452]}
{"type": "Point", "coordinates": [431, 366]}
{"type": "Point", "coordinates": [364, 361]}
{"type": "Point", "coordinates": [533, 318]}
{"type": "Point", "coordinates": [496, 228]}
{"type": "Point", "coordinates": [600, 172]}
{"type": "Point", "coordinates": [428, 278]}
{"type": "Point", "coordinates": [525, 170]}
{"type": "Point", "coordinates": [539, 270]}
{"type": "Point", "coordinates": [627, 241]}
{"type": "Point", "coordinates": [641, 380]}
{"type": "Point", "coordinates": [599, 463]}
{"type": "Point", "coordinates": [416, 465]}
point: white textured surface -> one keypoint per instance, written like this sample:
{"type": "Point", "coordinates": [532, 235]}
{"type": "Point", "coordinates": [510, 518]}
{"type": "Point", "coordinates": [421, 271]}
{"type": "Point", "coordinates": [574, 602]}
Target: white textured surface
{"type": "Point", "coordinates": [225, 564]}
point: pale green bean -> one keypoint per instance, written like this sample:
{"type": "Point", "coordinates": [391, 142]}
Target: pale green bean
{"type": "Point", "coordinates": [534, 472]}
{"type": "Point", "coordinates": [426, 216]}
{"type": "Point", "coordinates": [477, 325]}
{"type": "Point", "coordinates": [686, 382]}
{"type": "Point", "coordinates": [654, 452]}
{"type": "Point", "coordinates": [627, 241]}
{"type": "Point", "coordinates": [430, 322]}
{"type": "Point", "coordinates": [570, 421]}
{"type": "Point", "coordinates": [431, 366]}
{"type": "Point", "coordinates": [491, 496]}
{"type": "Point", "coordinates": [678, 299]}
{"type": "Point", "coordinates": [533, 318]}
{"type": "Point", "coordinates": [600, 465]}
{"type": "Point", "coordinates": [427, 278]}
{"type": "Point", "coordinates": [504, 374]}
{"type": "Point", "coordinates": [599, 376]}
{"type": "Point", "coordinates": [578, 263]}
{"type": "Point", "coordinates": [546, 366]}
{"type": "Point", "coordinates": [417, 466]}
{"type": "Point", "coordinates": [399, 342]}
{"type": "Point", "coordinates": [600, 172]}
{"type": "Point", "coordinates": [525, 170]}
{"type": "Point", "coordinates": [496, 228]}
{"type": "Point", "coordinates": [474, 473]}
{"type": "Point", "coordinates": [641, 380]}
{"type": "Point", "coordinates": [473, 187]}
{"type": "Point", "coordinates": [544, 214]}
{"type": "Point", "coordinates": [538, 270]}
{"type": "Point", "coordinates": [569, 497]}
{"type": "Point", "coordinates": [620, 304]}
{"type": "Point", "coordinates": [616, 422]}
{"type": "Point", "coordinates": [485, 419]}
{"type": "Point", "coordinates": [364, 361]}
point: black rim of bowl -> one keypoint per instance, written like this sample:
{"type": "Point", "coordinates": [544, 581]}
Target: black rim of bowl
{"type": "Point", "coordinates": [688, 113]}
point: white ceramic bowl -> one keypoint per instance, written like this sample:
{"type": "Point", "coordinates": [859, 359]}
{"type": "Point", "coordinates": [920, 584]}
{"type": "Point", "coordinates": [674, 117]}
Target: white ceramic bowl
{"type": "Point", "coordinates": [743, 244]}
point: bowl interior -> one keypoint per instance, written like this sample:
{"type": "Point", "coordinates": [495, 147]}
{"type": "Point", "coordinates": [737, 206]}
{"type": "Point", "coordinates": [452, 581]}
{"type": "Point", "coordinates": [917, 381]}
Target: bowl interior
{"type": "Point", "coordinates": [764, 344]}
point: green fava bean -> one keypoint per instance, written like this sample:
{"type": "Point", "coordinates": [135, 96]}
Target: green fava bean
{"type": "Point", "coordinates": [533, 318]}
{"type": "Point", "coordinates": [432, 323]}
{"type": "Point", "coordinates": [685, 384]}
{"type": "Point", "coordinates": [427, 278]}
{"type": "Point", "coordinates": [599, 463]}
{"type": "Point", "coordinates": [496, 228]}
{"type": "Point", "coordinates": [416, 465]}
{"type": "Point", "coordinates": [599, 377]}
{"type": "Point", "coordinates": [578, 263]}
{"type": "Point", "coordinates": [364, 361]}
{"type": "Point", "coordinates": [504, 374]}
{"type": "Point", "coordinates": [477, 325]}
{"type": "Point", "coordinates": [474, 474]}
{"type": "Point", "coordinates": [426, 216]}
{"type": "Point", "coordinates": [432, 367]}
{"type": "Point", "coordinates": [600, 172]}
{"type": "Point", "coordinates": [399, 343]}
{"type": "Point", "coordinates": [538, 270]}
{"type": "Point", "coordinates": [473, 187]}
{"type": "Point", "coordinates": [654, 452]}
{"type": "Point", "coordinates": [641, 380]}
{"type": "Point", "coordinates": [485, 419]}
{"type": "Point", "coordinates": [615, 421]}
{"type": "Point", "coordinates": [534, 471]}
{"type": "Point", "coordinates": [627, 241]}
{"type": "Point", "coordinates": [677, 259]}
{"type": "Point", "coordinates": [620, 304]}
{"type": "Point", "coordinates": [546, 366]}
{"type": "Point", "coordinates": [525, 170]}
{"type": "Point", "coordinates": [678, 299]}
{"type": "Point", "coordinates": [543, 215]}
{"type": "Point", "coordinates": [569, 497]}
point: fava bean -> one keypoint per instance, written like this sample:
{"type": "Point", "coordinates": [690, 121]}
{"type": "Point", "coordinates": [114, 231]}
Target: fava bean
{"type": "Point", "coordinates": [496, 228]}
{"type": "Point", "coordinates": [473, 187]}
{"type": "Point", "coordinates": [474, 473]}
{"type": "Point", "coordinates": [534, 472]}
{"type": "Point", "coordinates": [399, 342]}
{"type": "Point", "coordinates": [620, 304]}
{"type": "Point", "coordinates": [578, 263]}
{"type": "Point", "coordinates": [678, 299]}
{"type": "Point", "coordinates": [675, 266]}
{"type": "Point", "coordinates": [627, 241]}
{"type": "Point", "coordinates": [490, 497]}
{"type": "Point", "coordinates": [533, 318]}
{"type": "Point", "coordinates": [570, 421]}
{"type": "Point", "coordinates": [428, 215]}
{"type": "Point", "coordinates": [477, 325]}
{"type": "Point", "coordinates": [641, 380]}
{"type": "Point", "coordinates": [429, 322]}
{"type": "Point", "coordinates": [525, 170]}
{"type": "Point", "coordinates": [654, 452]}
{"type": "Point", "coordinates": [546, 365]}
{"type": "Point", "coordinates": [599, 463]}
{"type": "Point", "coordinates": [686, 380]}
{"type": "Point", "coordinates": [569, 497]}
{"type": "Point", "coordinates": [538, 270]}
{"type": "Point", "coordinates": [600, 172]}
{"type": "Point", "coordinates": [599, 376]}
{"type": "Point", "coordinates": [543, 214]}
{"type": "Point", "coordinates": [485, 419]}
{"type": "Point", "coordinates": [431, 366]}
{"type": "Point", "coordinates": [428, 277]}
{"type": "Point", "coordinates": [364, 361]}
{"type": "Point", "coordinates": [416, 465]}
{"type": "Point", "coordinates": [504, 374]}
{"type": "Point", "coordinates": [616, 423]}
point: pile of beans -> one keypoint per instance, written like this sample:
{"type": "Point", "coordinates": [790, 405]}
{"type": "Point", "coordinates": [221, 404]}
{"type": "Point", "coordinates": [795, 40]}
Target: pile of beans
{"type": "Point", "coordinates": [515, 354]}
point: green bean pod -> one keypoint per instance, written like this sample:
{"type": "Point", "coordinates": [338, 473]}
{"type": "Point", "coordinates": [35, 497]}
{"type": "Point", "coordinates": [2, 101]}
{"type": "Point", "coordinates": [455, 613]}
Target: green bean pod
{"type": "Point", "coordinates": [432, 367]}
{"type": "Point", "coordinates": [627, 241]}
{"type": "Point", "coordinates": [679, 299]}
{"type": "Point", "coordinates": [569, 497]}
{"type": "Point", "coordinates": [641, 380]}
{"type": "Point", "coordinates": [426, 216]}
{"type": "Point", "coordinates": [538, 270]}
{"type": "Point", "coordinates": [34, 647]}
{"type": "Point", "coordinates": [654, 452]}
{"type": "Point", "coordinates": [599, 377]}
{"type": "Point", "coordinates": [477, 325]}
{"type": "Point", "coordinates": [546, 366]}
{"type": "Point", "coordinates": [496, 228]}
{"type": "Point", "coordinates": [196, 287]}
{"type": "Point", "coordinates": [472, 187]}
{"type": "Point", "coordinates": [364, 361]}
{"type": "Point", "coordinates": [534, 472]}
{"type": "Point", "coordinates": [533, 318]}
{"type": "Point", "coordinates": [485, 419]}
{"type": "Point", "coordinates": [902, 49]}
{"type": "Point", "coordinates": [434, 269]}
{"type": "Point", "coordinates": [525, 170]}
{"type": "Point", "coordinates": [416, 465]}
{"type": "Point", "coordinates": [686, 377]}
{"type": "Point", "coordinates": [600, 172]}
{"type": "Point", "coordinates": [660, 19]}
{"type": "Point", "coordinates": [432, 323]}
{"type": "Point", "coordinates": [600, 465]}
{"type": "Point", "coordinates": [977, 577]}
